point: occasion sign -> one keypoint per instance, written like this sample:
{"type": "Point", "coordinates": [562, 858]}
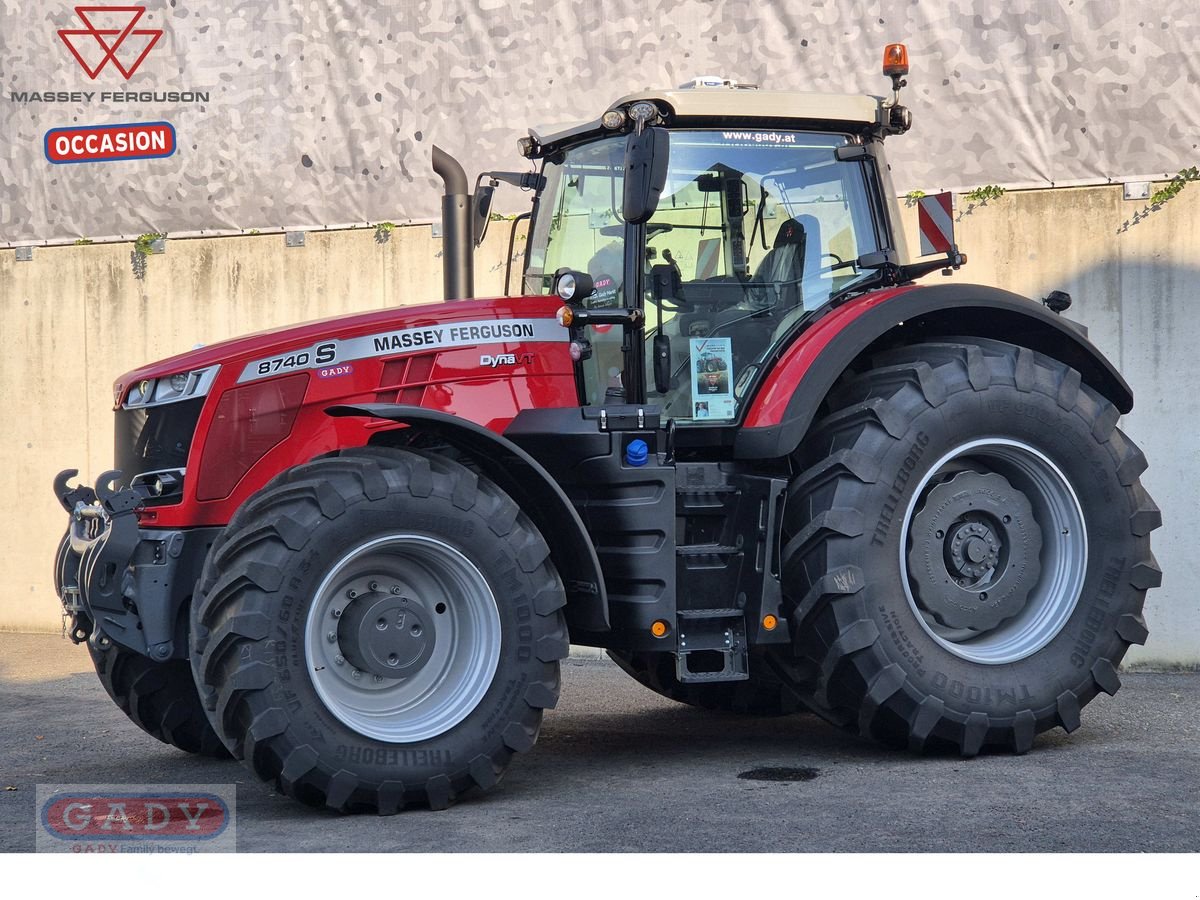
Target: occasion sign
{"type": "Point", "coordinates": [107, 143]}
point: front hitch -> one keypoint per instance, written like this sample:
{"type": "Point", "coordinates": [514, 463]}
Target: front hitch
{"type": "Point", "coordinates": [68, 496]}
{"type": "Point", "coordinates": [92, 574]}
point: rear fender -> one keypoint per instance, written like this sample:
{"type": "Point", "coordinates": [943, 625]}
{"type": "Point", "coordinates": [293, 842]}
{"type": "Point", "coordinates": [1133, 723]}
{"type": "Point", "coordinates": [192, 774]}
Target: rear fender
{"type": "Point", "coordinates": [792, 394]}
{"type": "Point", "coordinates": [525, 480]}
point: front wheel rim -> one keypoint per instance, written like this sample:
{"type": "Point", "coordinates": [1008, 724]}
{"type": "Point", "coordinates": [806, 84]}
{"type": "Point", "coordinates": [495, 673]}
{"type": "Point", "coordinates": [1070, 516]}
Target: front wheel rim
{"type": "Point", "coordinates": [403, 638]}
{"type": "Point", "coordinates": [1046, 603]}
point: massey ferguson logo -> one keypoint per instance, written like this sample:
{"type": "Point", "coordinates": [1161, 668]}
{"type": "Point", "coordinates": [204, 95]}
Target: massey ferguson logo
{"type": "Point", "coordinates": [110, 35]}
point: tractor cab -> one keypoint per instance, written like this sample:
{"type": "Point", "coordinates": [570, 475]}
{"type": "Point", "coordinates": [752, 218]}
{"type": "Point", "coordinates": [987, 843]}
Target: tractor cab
{"type": "Point", "coordinates": [696, 230]}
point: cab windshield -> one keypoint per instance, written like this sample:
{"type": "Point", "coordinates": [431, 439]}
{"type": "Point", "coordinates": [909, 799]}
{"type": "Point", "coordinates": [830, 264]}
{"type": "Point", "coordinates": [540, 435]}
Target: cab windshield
{"type": "Point", "coordinates": [753, 230]}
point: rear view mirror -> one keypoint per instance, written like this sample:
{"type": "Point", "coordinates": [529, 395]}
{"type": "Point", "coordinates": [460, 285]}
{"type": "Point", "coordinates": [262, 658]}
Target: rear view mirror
{"type": "Point", "coordinates": [481, 211]}
{"type": "Point", "coordinates": [646, 156]}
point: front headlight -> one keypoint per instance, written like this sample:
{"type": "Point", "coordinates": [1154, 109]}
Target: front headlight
{"type": "Point", "coordinates": [171, 388]}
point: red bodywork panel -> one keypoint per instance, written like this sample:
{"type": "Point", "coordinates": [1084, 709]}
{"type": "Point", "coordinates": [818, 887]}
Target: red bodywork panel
{"type": "Point", "coordinates": [450, 379]}
{"type": "Point", "coordinates": [771, 401]}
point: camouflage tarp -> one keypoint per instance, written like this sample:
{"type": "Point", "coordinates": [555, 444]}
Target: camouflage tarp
{"type": "Point", "coordinates": [322, 112]}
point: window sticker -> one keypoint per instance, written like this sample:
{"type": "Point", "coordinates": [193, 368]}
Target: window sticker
{"type": "Point", "coordinates": [712, 378]}
{"type": "Point", "coordinates": [760, 137]}
{"type": "Point", "coordinates": [604, 293]}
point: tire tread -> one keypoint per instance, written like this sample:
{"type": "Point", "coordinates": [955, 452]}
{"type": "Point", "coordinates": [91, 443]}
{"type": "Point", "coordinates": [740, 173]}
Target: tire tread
{"type": "Point", "coordinates": [246, 565]}
{"type": "Point", "coordinates": [854, 683]}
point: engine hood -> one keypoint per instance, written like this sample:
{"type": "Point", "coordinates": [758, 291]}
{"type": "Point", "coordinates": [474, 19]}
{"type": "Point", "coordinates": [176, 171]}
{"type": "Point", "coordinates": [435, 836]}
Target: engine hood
{"type": "Point", "coordinates": [239, 351]}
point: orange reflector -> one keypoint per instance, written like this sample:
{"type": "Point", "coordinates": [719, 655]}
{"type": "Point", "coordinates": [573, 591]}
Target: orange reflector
{"type": "Point", "coordinates": [659, 628]}
{"type": "Point", "coordinates": [769, 622]}
{"type": "Point", "coordinates": [565, 316]}
{"type": "Point", "coordinates": [895, 59]}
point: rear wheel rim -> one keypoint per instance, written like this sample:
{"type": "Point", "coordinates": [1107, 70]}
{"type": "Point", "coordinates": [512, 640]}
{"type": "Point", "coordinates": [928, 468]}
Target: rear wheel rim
{"type": "Point", "coordinates": [403, 638]}
{"type": "Point", "coordinates": [1047, 601]}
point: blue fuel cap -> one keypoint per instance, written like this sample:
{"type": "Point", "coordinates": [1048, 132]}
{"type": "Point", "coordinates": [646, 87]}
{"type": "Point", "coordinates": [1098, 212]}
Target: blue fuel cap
{"type": "Point", "coordinates": [636, 453]}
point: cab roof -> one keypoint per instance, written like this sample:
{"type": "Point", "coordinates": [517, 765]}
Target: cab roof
{"type": "Point", "coordinates": [735, 103]}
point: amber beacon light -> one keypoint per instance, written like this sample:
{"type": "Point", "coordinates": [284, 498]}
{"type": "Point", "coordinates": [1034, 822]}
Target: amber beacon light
{"type": "Point", "coordinates": [895, 60]}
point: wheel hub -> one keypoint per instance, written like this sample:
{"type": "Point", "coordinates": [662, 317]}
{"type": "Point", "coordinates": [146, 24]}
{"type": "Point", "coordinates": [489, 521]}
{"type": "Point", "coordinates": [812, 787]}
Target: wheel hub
{"type": "Point", "coordinates": [973, 548]}
{"type": "Point", "coordinates": [387, 635]}
{"type": "Point", "coordinates": [402, 637]}
{"type": "Point", "coordinates": [974, 551]}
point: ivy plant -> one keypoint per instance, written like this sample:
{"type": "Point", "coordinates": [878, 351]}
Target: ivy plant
{"type": "Point", "coordinates": [985, 193]}
{"type": "Point", "coordinates": [383, 232]}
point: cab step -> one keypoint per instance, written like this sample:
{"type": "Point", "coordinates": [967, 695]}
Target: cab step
{"type": "Point", "coordinates": [712, 646]}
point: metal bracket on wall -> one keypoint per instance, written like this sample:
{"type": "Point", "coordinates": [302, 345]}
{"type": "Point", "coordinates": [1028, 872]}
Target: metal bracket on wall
{"type": "Point", "coordinates": [1137, 190]}
{"type": "Point", "coordinates": [294, 238]}
{"type": "Point", "coordinates": [24, 254]}
{"type": "Point", "coordinates": [435, 229]}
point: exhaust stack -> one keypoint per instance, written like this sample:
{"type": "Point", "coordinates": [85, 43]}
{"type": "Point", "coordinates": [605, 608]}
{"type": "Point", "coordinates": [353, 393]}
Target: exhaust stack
{"type": "Point", "coordinates": [458, 264]}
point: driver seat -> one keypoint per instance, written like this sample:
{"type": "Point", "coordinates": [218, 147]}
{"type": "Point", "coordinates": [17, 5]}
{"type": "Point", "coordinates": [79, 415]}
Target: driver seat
{"type": "Point", "coordinates": [796, 250]}
{"type": "Point", "coordinates": [752, 322]}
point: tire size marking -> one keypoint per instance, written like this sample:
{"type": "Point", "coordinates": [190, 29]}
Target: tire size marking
{"type": "Point", "coordinates": [501, 712]}
{"type": "Point", "coordinates": [915, 452]}
{"type": "Point", "coordinates": [1094, 623]}
{"type": "Point", "coordinates": [907, 648]}
{"type": "Point", "coordinates": [1064, 442]}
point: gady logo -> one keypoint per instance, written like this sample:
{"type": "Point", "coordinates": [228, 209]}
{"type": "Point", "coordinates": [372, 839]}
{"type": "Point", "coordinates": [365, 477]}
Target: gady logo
{"type": "Point", "coordinates": [108, 42]}
{"type": "Point", "coordinates": [86, 816]}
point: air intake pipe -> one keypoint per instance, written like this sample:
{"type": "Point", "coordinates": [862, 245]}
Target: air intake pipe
{"type": "Point", "coordinates": [458, 264]}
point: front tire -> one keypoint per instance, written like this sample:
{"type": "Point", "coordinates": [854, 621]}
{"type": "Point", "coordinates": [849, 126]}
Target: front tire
{"type": "Point", "coordinates": [377, 629]}
{"type": "Point", "coordinates": [967, 549]}
{"type": "Point", "coordinates": [159, 698]}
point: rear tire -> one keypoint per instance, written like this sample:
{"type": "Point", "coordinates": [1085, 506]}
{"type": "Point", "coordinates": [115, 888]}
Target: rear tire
{"type": "Point", "coordinates": [946, 472]}
{"type": "Point", "coordinates": [762, 694]}
{"type": "Point", "coordinates": [379, 628]}
{"type": "Point", "coordinates": [159, 698]}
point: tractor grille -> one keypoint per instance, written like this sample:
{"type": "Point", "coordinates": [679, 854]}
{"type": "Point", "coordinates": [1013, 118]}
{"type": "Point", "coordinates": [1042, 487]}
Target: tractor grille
{"type": "Point", "coordinates": [155, 438]}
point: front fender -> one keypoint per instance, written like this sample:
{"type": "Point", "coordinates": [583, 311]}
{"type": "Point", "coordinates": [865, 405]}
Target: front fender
{"type": "Point", "coordinates": [784, 408]}
{"type": "Point", "coordinates": [528, 483]}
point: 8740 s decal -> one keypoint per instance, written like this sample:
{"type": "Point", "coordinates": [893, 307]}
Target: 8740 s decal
{"type": "Point", "coordinates": [318, 356]}
{"type": "Point", "coordinates": [458, 334]}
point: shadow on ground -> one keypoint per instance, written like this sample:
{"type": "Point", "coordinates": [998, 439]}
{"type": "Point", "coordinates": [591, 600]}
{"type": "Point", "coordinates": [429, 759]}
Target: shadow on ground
{"type": "Point", "coordinates": [618, 768]}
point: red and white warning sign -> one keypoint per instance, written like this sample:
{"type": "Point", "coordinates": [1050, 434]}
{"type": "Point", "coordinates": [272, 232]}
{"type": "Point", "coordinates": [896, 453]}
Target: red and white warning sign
{"type": "Point", "coordinates": [935, 218]}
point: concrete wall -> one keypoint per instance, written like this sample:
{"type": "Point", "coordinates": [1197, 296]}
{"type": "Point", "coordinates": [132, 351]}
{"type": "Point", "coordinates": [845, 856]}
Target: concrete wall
{"type": "Point", "coordinates": [76, 317]}
{"type": "Point", "coordinates": [1135, 284]}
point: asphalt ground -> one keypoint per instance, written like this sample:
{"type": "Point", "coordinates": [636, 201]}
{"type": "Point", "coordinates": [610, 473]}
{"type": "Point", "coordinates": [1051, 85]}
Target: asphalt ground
{"type": "Point", "coordinates": [618, 768]}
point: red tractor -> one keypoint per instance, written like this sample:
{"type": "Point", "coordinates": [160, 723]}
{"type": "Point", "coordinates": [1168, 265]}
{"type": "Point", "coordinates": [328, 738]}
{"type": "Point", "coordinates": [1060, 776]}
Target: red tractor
{"type": "Point", "coordinates": [719, 432]}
